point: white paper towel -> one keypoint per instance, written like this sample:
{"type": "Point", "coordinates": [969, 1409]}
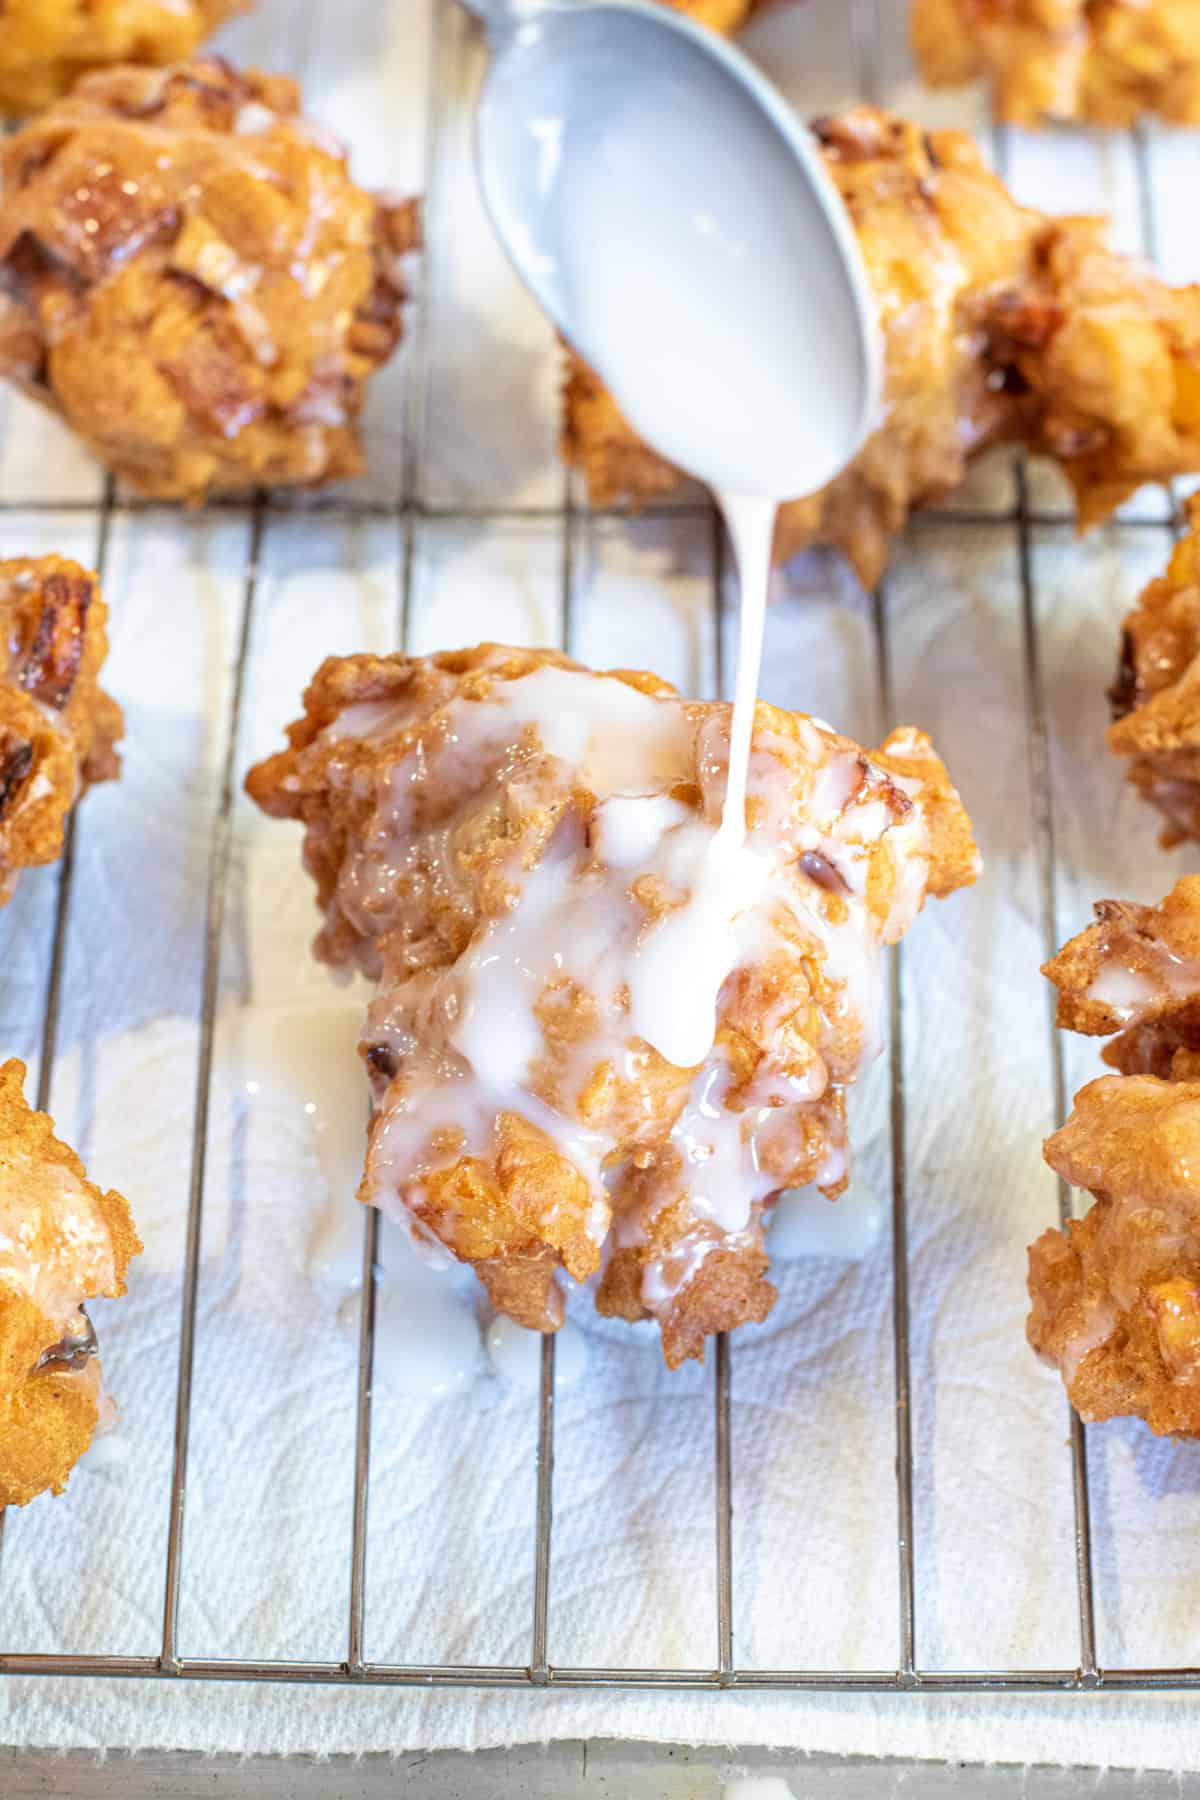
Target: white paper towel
{"type": "Point", "coordinates": [450, 1577]}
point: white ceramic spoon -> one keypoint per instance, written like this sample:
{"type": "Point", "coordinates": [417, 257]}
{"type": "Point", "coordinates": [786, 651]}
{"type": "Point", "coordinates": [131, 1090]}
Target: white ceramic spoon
{"type": "Point", "coordinates": [674, 218]}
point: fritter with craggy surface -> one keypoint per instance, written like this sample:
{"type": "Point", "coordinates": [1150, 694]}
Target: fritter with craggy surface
{"type": "Point", "coordinates": [1000, 325]}
{"type": "Point", "coordinates": [194, 282]}
{"type": "Point", "coordinates": [62, 1242]}
{"type": "Point", "coordinates": [1107, 61]}
{"type": "Point", "coordinates": [46, 45]}
{"type": "Point", "coordinates": [1156, 696]}
{"type": "Point", "coordinates": [1116, 1297]}
{"type": "Point", "coordinates": [58, 728]}
{"type": "Point", "coordinates": [524, 854]}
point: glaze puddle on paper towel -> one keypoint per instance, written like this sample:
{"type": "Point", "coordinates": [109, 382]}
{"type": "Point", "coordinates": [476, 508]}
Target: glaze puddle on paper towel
{"type": "Point", "coordinates": [516, 1354]}
{"type": "Point", "coordinates": [306, 1067]}
{"type": "Point", "coordinates": [427, 1334]}
{"type": "Point", "coordinates": [803, 1223]}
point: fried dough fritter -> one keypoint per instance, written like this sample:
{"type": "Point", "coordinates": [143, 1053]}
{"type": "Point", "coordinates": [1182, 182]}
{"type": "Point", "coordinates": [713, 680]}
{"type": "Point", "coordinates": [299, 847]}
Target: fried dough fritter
{"type": "Point", "coordinates": [1000, 324]}
{"type": "Point", "coordinates": [62, 1242]}
{"type": "Point", "coordinates": [1106, 61]}
{"type": "Point", "coordinates": [58, 728]}
{"type": "Point", "coordinates": [46, 45]}
{"type": "Point", "coordinates": [1116, 1297]}
{"type": "Point", "coordinates": [1156, 695]}
{"type": "Point", "coordinates": [1136, 971]}
{"type": "Point", "coordinates": [515, 848]}
{"type": "Point", "coordinates": [194, 281]}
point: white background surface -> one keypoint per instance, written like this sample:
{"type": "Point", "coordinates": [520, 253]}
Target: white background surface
{"type": "Point", "coordinates": [466, 421]}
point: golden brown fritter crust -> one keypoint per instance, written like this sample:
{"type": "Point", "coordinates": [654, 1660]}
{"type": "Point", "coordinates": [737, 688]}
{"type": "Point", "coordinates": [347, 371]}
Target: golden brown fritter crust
{"type": "Point", "coordinates": [1116, 1297]}
{"type": "Point", "coordinates": [194, 282]}
{"type": "Point", "coordinates": [1001, 325]}
{"type": "Point", "coordinates": [58, 728]}
{"type": "Point", "coordinates": [46, 45]}
{"type": "Point", "coordinates": [62, 1241]}
{"type": "Point", "coordinates": [1107, 61]}
{"type": "Point", "coordinates": [456, 819]}
{"type": "Point", "coordinates": [1156, 695]}
{"type": "Point", "coordinates": [726, 1288]}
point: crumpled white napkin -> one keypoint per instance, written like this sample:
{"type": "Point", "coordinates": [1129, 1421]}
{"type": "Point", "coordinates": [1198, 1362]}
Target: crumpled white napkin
{"type": "Point", "coordinates": [450, 1576]}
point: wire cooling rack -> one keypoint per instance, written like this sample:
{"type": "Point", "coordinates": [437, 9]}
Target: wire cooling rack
{"type": "Point", "coordinates": [413, 512]}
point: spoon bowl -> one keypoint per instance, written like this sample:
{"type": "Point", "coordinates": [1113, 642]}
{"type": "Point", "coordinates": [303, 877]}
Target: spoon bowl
{"type": "Point", "coordinates": [675, 220]}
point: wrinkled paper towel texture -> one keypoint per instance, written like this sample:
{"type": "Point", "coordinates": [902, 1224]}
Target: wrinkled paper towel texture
{"type": "Point", "coordinates": [450, 1576]}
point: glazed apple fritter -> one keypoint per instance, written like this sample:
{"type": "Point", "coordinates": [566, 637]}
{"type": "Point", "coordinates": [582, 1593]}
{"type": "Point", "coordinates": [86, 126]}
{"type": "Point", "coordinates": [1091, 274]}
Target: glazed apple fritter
{"type": "Point", "coordinates": [62, 1242]}
{"type": "Point", "coordinates": [1156, 696]}
{"type": "Point", "coordinates": [1107, 61]}
{"type": "Point", "coordinates": [58, 728]}
{"type": "Point", "coordinates": [194, 281]}
{"type": "Point", "coordinates": [515, 848]}
{"type": "Point", "coordinates": [1001, 325]}
{"type": "Point", "coordinates": [46, 45]}
{"type": "Point", "coordinates": [1116, 1297]}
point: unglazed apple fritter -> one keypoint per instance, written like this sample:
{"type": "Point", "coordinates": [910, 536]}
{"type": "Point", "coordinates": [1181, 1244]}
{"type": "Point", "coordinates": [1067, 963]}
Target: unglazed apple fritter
{"type": "Point", "coordinates": [524, 854]}
{"type": "Point", "coordinates": [1001, 326]}
{"type": "Point", "coordinates": [192, 279]}
{"type": "Point", "coordinates": [62, 1242]}
{"type": "Point", "coordinates": [1116, 1297]}
{"type": "Point", "coordinates": [1106, 61]}
{"type": "Point", "coordinates": [58, 728]}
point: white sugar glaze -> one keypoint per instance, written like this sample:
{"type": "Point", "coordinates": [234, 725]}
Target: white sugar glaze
{"type": "Point", "coordinates": [680, 972]}
{"type": "Point", "coordinates": [679, 969]}
{"type": "Point", "coordinates": [426, 1333]}
{"type": "Point", "coordinates": [55, 1246]}
{"type": "Point", "coordinates": [300, 1068]}
{"type": "Point", "coordinates": [627, 747]}
{"type": "Point", "coordinates": [427, 1343]}
{"type": "Point", "coordinates": [1127, 991]}
{"type": "Point", "coordinates": [110, 1448]}
{"type": "Point", "coordinates": [803, 1224]}
{"type": "Point", "coordinates": [620, 740]}
{"type": "Point", "coordinates": [751, 525]}
{"type": "Point", "coordinates": [1097, 1328]}
{"type": "Point", "coordinates": [516, 1355]}
{"type": "Point", "coordinates": [1124, 991]}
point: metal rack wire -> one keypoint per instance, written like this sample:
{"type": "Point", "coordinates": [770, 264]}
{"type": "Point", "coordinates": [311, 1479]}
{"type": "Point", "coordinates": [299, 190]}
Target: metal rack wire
{"type": "Point", "coordinates": [349, 1667]}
